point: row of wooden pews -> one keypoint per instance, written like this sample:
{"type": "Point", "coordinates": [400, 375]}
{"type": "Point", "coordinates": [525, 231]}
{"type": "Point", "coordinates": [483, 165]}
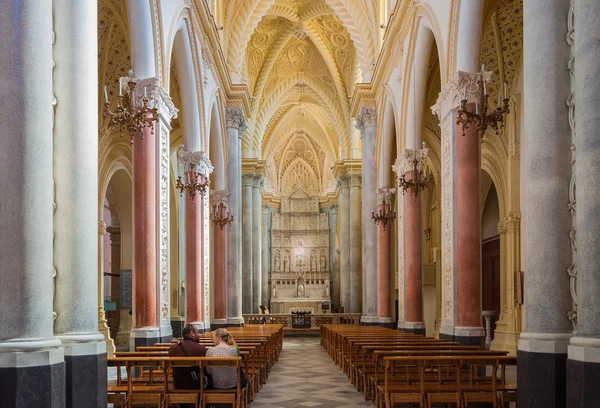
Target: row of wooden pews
{"type": "Point", "coordinates": [391, 367]}
{"type": "Point", "coordinates": [144, 376]}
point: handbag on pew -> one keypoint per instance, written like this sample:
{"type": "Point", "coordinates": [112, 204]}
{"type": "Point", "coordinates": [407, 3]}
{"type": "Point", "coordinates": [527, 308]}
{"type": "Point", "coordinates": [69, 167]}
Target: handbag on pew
{"type": "Point", "coordinates": [194, 371]}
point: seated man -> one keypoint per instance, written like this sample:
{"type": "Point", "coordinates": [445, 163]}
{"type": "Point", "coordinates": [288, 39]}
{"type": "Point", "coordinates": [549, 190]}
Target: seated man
{"type": "Point", "coordinates": [183, 377]}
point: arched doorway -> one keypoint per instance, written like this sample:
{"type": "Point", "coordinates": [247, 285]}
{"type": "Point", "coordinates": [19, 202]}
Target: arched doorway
{"type": "Point", "coordinates": [490, 249]}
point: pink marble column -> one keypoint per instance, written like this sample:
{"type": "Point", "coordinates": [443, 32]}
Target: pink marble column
{"type": "Point", "coordinates": [468, 213]}
{"type": "Point", "coordinates": [220, 272]}
{"type": "Point", "coordinates": [144, 231]}
{"type": "Point", "coordinates": [413, 256]}
{"type": "Point", "coordinates": [194, 241]}
{"type": "Point", "coordinates": [384, 270]}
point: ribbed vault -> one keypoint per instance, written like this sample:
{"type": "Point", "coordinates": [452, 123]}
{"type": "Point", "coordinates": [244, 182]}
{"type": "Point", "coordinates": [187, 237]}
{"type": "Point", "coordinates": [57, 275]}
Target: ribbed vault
{"type": "Point", "coordinates": [300, 60]}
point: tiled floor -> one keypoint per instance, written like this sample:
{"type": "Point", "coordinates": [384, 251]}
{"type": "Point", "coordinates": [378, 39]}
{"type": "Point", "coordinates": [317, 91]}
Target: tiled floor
{"type": "Point", "coordinates": [305, 377]}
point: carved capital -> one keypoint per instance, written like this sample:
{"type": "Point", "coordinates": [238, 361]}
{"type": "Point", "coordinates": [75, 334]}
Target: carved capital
{"type": "Point", "coordinates": [405, 161]}
{"type": "Point", "coordinates": [186, 158]}
{"type": "Point", "coordinates": [102, 227]}
{"type": "Point", "coordinates": [366, 117]}
{"type": "Point", "coordinates": [469, 83]}
{"type": "Point", "coordinates": [333, 208]}
{"type": "Point", "coordinates": [511, 223]}
{"type": "Point", "coordinates": [218, 197]}
{"type": "Point", "coordinates": [248, 179]}
{"type": "Point", "coordinates": [355, 180]}
{"type": "Point", "coordinates": [385, 195]}
{"type": "Point", "coordinates": [343, 181]}
{"type": "Point", "coordinates": [234, 118]}
{"type": "Point", "coordinates": [157, 96]}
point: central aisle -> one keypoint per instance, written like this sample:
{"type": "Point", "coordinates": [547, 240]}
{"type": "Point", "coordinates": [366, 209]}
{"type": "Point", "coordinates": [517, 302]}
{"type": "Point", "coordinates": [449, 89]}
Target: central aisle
{"type": "Point", "coordinates": [304, 377]}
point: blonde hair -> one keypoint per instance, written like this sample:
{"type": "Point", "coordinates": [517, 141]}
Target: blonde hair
{"type": "Point", "coordinates": [225, 336]}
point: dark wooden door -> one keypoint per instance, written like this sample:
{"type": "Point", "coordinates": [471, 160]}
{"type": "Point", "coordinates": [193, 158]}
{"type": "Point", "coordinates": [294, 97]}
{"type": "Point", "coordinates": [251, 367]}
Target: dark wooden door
{"type": "Point", "coordinates": [490, 279]}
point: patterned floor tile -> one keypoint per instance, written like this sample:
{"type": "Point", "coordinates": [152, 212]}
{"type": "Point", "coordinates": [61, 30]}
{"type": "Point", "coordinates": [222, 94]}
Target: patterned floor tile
{"type": "Point", "coordinates": [305, 377]}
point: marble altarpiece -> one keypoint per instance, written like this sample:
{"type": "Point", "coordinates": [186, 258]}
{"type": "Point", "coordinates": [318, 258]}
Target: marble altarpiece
{"type": "Point", "coordinates": [300, 278]}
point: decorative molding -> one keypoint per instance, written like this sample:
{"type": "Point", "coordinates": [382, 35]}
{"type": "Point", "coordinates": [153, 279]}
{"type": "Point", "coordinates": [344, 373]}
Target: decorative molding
{"type": "Point", "coordinates": [235, 118]}
{"type": "Point", "coordinates": [405, 160]}
{"type": "Point", "coordinates": [511, 223]}
{"type": "Point", "coordinates": [164, 222]}
{"type": "Point", "coordinates": [367, 116]}
{"type": "Point", "coordinates": [454, 91]}
{"type": "Point", "coordinates": [447, 225]}
{"type": "Point", "coordinates": [343, 181]}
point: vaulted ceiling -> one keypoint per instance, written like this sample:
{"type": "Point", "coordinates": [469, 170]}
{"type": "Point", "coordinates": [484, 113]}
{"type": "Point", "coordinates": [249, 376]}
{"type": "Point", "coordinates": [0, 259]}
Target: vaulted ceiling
{"type": "Point", "coordinates": [301, 60]}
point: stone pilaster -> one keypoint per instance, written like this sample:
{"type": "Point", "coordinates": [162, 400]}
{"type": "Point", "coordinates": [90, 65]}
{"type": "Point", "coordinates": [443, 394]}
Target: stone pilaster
{"type": "Point", "coordinates": [542, 348]}
{"type": "Point", "coordinates": [266, 255]}
{"type": "Point", "coordinates": [334, 269]}
{"type": "Point", "coordinates": [257, 240]}
{"type": "Point", "coordinates": [583, 364]}
{"type": "Point", "coordinates": [355, 254]}
{"type": "Point", "coordinates": [115, 270]}
{"type": "Point", "coordinates": [398, 168]}
{"type": "Point", "coordinates": [248, 183]}
{"type": "Point", "coordinates": [344, 223]}
{"type": "Point", "coordinates": [32, 368]}
{"type": "Point", "coordinates": [236, 124]}
{"type": "Point", "coordinates": [366, 122]}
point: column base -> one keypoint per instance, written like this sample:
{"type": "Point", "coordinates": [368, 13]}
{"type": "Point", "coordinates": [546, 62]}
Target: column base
{"type": "Point", "coordinates": [369, 321]}
{"type": "Point", "coordinates": [177, 325]}
{"type": "Point", "coordinates": [467, 336]}
{"type": "Point", "coordinates": [235, 321]}
{"type": "Point", "coordinates": [505, 341]}
{"type": "Point", "coordinates": [386, 322]}
{"type": "Point", "coordinates": [166, 332]}
{"type": "Point", "coordinates": [583, 373]}
{"type": "Point", "coordinates": [33, 378]}
{"type": "Point", "coordinates": [218, 324]}
{"type": "Point", "coordinates": [414, 327]}
{"type": "Point", "coordinates": [144, 337]}
{"type": "Point", "coordinates": [86, 378]}
{"type": "Point", "coordinates": [541, 370]}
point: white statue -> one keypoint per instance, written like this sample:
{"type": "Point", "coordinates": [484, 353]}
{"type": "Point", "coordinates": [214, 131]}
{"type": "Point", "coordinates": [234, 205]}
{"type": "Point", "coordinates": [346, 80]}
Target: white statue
{"type": "Point", "coordinates": [277, 263]}
{"type": "Point", "coordinates": [300, 291]}
{"type": "Point", "coordinates": [313, 263]}
{"type": "Point", "coordinates": [326, 291]}
{"type": "Point", "coordinates": [323, 263]}
{"type": "Point", "coordinates": [286, 263]}
{"type": "Point", "coordinates": [274, 291]}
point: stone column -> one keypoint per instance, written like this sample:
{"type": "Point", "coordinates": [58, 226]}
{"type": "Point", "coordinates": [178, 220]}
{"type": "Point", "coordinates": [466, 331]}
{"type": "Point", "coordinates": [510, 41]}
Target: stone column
{"type": "Point", "coordinates": [75, 168]}
{"type": "Point", "coordinates": [115, 270]}
{"type": "Point", "coordinates": [193, 263]}
{"type": "Point", "coordinates": [32, 368]}
{"type": "Point", "coordinates": [266, 255]}
{"type": "Point", "coordinates": [344, 187]}
{"type": "Point", "coordinates": [218, 197]}
{"type": "Point", "coordinates": [236, 124]}
{"type": "Point", "coordinates": [248, 182]}
{"type": "Point", "coordinates": [384, 201]}
{"type": "Point", "coordinates": [102, 322]}
{"type": "Point", "coordinates": [437, 256]}
{"type": "Point", "coordinates": [469, 329]}
{"type": "Point", "coordinates": [334, 270]}
{"type": "Point", "coordinates": [542, 349]}
{"type": "Point", "coordinates": [257, 239]}
{"type": "Point", "coordinates": [355, 254]}
{"type": "Point", "coordinates": [398, 168]}
{"type": "Point", "coordinates": [366, 122]}
{"type": "Point", "coordinates": [583, 364]}
{"type": "Point", "coordinates": [461, 230]}
{"type": "Point", "coordinates": [413, 257]}
{"type": "Point", "coordinates": [150, 218]}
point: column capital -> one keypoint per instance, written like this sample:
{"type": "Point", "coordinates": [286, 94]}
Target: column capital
{"type": "Point", "coordinates": [355, 180]}
{"type": "Point", "coordinates": [157, 97]}
{"type": "Point", "coordinates": [333, 208]}
{"type": "Point", "coordinates": [186, 159]}
{"type": "Point", "coordinates": [218, 197]}
{"type": "Point", "coordinates": [385, 195]}
{"type": "Point", "coordinates": [405, 160]}
{"type": "Point", "coordinates": [343, 181]}
{"type": "Point", "coordinates": [511, 223]}
{"type": "Point", "coordinates": [102, 227]}
{"type": "Point", "coordinates": [464, 85]}
{"type": "Point", "coordinates": [235, 118]}
{"type": "Point", "coordinates": [367, 116]}
{"type": "Point", "coordinates": [265, 209]}
{"type": "Point", "coordinates": [255, 180]}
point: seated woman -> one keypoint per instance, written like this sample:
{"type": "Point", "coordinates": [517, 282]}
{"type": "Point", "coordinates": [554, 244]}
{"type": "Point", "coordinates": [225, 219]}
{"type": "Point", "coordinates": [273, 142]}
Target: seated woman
{"type": "Point", "coordinates": [223, 377]}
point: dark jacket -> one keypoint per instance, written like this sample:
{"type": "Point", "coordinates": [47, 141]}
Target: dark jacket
{"type": "Point", "coordinates": [187, 378]}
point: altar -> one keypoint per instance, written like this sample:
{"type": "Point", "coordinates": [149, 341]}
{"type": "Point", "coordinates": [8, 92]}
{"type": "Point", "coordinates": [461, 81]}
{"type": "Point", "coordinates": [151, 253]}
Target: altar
{"type": "Point", "coordinates": [285, 306]}
{"type": "Point", "coordinates": [299, 272]}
